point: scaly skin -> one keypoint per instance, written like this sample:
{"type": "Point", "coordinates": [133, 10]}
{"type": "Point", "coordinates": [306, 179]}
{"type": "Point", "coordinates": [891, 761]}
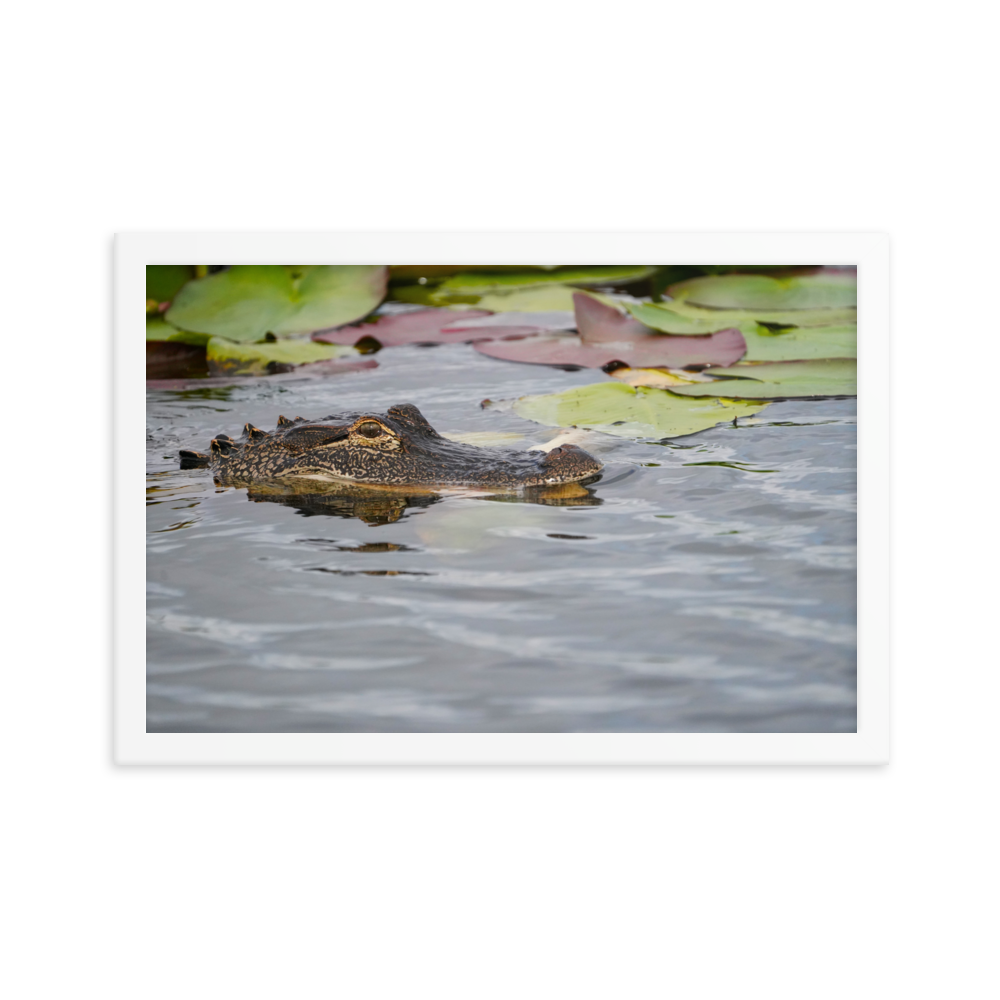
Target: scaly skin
{"type": "Point", "coordinates": [396, 448]}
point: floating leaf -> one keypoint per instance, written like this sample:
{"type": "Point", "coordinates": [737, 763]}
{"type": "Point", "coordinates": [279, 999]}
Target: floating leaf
{"type": "Point", "coordinates": [780, 380]}
{"type": "Point", "coordinates": [547, 298]}
{"type": "Point", "coordinates": [826, 290]}
{"type": "Point", "coordinates": [247, 301]}
{"type": "Point", "coordinates": [562, 349]}
{"type": "Point", "coordinates": [164, 281]}
{"type": "Point", "coordinates": [158, 328]}
{"type": "Point", "coordinates": [800, 343]}
{"type": "Point", "coordinates": [601, 323]}
{"type": "Point", "coordinates": [607, 334]}
{"type": "Point", "coordinates": [534, 322]}
{"type": "Point", "coordinates": [659, 316]}
{"type": "Point", "coordinates": [568, 350]}
{"type": "Point", "coordinates": [423, 326]}
{"type": "Point", "coordinates": [634, 413]}
{"type": "Point", "coordinates": [228, 358]}
{"type": "Point", "coordinates": [736, 317]}
{"type": "Point", "coordinates": [487, 284]}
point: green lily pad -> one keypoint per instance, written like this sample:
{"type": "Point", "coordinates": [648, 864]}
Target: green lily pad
{"type": "Point", "coordinates": [158, 328]}
{"type": "Point", "coordinates": [487, 284]}
{"type": "Point", "coordinates": [780, 339]}
{"type": "Point", "coordinates": [826, 290]}
{"type": "Point", "coordinates": [228, 358]}
{"type": "Point", "coordinates": [247, 301]}
{"type": "Point", "coordinates": [658, 316]}
{"type": "Point", "coordinates": [736, 317]}
{"type": "Point", "coordinates": [799, 343]}
{"type": "Point", "coordinates": [780, 380]}
{"type": "Point", "coordinates": [164, 281]}
{"type": "Point", "coordinates": [633, 413]}
{"type": "Point", "coordinates": [550, 298]}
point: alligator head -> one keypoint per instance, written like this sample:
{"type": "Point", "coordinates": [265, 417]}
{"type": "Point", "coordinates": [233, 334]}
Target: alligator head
{"type": "Point", "coordinates": [395, 448]}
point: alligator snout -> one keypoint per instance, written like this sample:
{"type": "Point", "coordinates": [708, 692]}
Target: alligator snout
{"type": "Point", "coordinates": [567, 462]}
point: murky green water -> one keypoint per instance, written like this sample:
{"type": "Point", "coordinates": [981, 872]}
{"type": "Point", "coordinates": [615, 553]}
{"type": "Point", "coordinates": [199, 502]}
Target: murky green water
{"type": "Point", "coordinates": [707, 585]}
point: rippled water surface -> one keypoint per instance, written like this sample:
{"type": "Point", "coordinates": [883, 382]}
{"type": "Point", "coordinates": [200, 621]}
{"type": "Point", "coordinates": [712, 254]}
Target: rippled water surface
{"type": "Point", "coordinates": [706, 585]}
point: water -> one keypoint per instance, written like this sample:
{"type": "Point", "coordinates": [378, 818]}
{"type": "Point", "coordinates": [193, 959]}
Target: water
{"type": "Point", "coordinates": [679, 596]}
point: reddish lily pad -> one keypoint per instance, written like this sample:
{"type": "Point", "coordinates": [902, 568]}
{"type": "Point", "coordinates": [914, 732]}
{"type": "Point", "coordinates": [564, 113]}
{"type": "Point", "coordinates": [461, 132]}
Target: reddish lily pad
{"type": "Point", "coordinates": [564, 350]}
{"type": "Point", "coordinates": [600, 323]}
{"type": "Point", "coordinates": [533, 322]}
{"type": "Point", "coordinates": [568, 350]}
{"type": "Point", "coordinates": [423, 326]}
{"type": "Point", "coordinates": [607, 335]}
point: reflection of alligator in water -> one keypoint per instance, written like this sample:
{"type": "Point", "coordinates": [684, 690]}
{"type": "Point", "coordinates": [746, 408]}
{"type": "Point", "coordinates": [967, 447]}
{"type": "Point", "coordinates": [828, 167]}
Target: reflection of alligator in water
{"type": "Point", "coordinates": [564, 495]}
{"type": "Point", "coordinates": [398, 447]}
{"type": "Point", "coordinates": [310, 498]}
{"type": "Point", "coordinates": [377, 506]}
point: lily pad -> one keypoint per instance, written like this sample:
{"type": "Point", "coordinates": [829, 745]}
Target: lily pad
{"type": "Point", "coordinates": [565, 350]}
{"type": "Point", "coordinates": [568, 350]}
{"type": "Point", "coordinates": [158, 328]}
{"type": "Point", "coordinates": [422, 326]}
{"type": "Point", "coordinates": [787, 317]}
{"type": "Point", "coordinates": [826, 290]}
{"type": "Point", "coordinates": [629, 412]}
{"type": "Point", "coordinates": [607, 334]}
{"type": "Point", "coordinates": [780, 380]}
{"type": "Point", "coordinates": [601, 323]}
{"type": "Point", "coordinates": [545, 298]}
{"type": "Point", "coordinates": [248, 301]}
{"type": "Point", "coordinates": [487, 284]}
{"type": "Point", "coordinates": [536, 322]}
{"type": "Point", "coordinates": [800, 343]}
{"type": "Point", "coordinates": [659, 316]}
{"type": "Point", "coordinates": [228, 358]}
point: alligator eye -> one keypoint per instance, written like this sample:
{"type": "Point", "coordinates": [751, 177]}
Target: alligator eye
{"type": "Point", "coordinates": [370, 429]}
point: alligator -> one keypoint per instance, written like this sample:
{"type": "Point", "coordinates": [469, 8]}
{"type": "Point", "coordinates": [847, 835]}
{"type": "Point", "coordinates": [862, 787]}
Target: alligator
{"type": "Point", "coordinates": [395, 448]}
